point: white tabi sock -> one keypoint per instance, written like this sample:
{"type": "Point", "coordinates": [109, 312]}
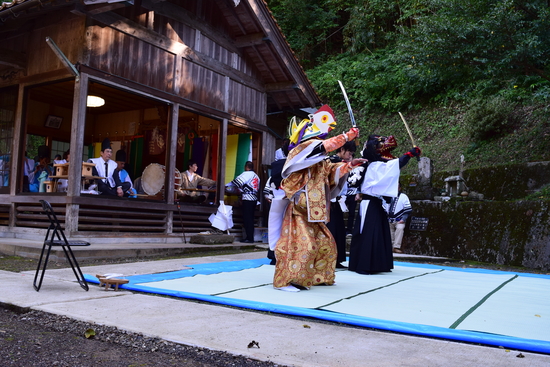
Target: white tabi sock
{"type": "Point", "coordinates": [288, 288]}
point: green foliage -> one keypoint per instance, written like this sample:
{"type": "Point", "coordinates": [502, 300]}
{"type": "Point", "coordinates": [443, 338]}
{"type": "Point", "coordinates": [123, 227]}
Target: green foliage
{"type": "Point", "coordinates": [470, 76]}
{"type": "Point", "coordinates": [375, 24]}
{"type": "Point", "coordinates": [374, 82]}
{"type": "Point", "coordinates": [463, 42]}
{"type": "Point", "coordinates": [405, 55]}
{"type": "Point", "coordinates": [33, 142]}
{"type": "Point", "coordinates": [544, 193]}
{"type": "Point", "coordinates": [311, 27]}
{"type": "Point", "coordinates": [488, 118]}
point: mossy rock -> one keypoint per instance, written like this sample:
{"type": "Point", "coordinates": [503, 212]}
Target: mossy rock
{"type": "Point", "coordinates": [211, 239]}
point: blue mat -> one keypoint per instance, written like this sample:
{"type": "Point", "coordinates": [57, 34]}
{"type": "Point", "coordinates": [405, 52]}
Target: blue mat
{"type": "Point", "coordinates": [489, 307]}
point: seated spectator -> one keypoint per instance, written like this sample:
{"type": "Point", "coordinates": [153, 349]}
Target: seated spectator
{"type": "Point", "coordinates": [58, 159]}
{"type": "Point", "coordinates": [120, 159]}
{"type": "Point", "coordinates": [28, 167]}
{"type": "Point", "coordinates": [42, 171]}
{"type": "Point", "coordinates": [189, 183]}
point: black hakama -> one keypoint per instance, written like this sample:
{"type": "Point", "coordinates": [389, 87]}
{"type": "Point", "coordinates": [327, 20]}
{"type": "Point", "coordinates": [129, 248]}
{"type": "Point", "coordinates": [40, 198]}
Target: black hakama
{"type": "Point", "coordinates": [371, 250]}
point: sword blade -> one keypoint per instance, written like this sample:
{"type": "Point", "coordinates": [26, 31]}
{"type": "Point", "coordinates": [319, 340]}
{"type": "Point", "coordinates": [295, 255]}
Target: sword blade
{"type": "Point", "coordinates": [353, 124]}
{"type": "Point", "coordinates": [408, 130]}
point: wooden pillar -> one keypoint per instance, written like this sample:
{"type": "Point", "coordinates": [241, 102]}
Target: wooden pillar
{"type": "Point", "coordinates": [171, 164]}
{"type": "Point", "coordinates": [222, 144]}
{"type": "Point", "coordinates": [77, 146]}
{"type": "Point", "coordinates": [17, 152]}
{"type": "Point", "coordinates": [222, 148]}
{"type": "Point", "coordinates": [18, 146]}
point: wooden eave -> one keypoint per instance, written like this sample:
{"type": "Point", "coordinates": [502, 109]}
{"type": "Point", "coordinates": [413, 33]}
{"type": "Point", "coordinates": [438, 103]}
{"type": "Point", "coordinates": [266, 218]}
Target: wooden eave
{"type": "Point", "coordinates": [253, 33]}
{"type": "Point", "coordinates": [259, 37]}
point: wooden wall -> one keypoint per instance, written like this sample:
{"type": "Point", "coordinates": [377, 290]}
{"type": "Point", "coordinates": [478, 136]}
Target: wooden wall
{"type": "Point", "coordinates": [169, 55]}
{"type": "Point", "coordinates": [68, 34]}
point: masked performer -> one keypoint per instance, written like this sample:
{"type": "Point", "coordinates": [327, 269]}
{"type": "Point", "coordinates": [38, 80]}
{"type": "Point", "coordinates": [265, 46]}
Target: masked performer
{"type": "Point", "coordinates": [371, 244]}
{"type": "Point", "coordinates": [305, 250]}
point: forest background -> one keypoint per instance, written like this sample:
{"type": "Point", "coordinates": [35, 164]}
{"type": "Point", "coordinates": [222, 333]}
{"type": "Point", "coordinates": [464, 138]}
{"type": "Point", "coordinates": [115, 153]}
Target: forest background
{"type": "Point", "coordinates": [471, 77]}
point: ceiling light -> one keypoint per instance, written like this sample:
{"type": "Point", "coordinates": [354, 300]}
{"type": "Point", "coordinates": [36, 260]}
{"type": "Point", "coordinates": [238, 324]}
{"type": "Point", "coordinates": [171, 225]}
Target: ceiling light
{"type": "Point", "coordinates": [95, 101]}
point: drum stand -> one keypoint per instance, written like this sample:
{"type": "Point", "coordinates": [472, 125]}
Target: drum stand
{"type": "Point", "coordinates": [181, 221]}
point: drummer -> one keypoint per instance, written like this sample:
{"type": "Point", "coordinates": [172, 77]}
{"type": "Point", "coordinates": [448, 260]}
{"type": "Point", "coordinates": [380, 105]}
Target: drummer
{"type": "Point", "coordinates": [105, 167]}
{"type": "Point", "coordinates": [190, 181]}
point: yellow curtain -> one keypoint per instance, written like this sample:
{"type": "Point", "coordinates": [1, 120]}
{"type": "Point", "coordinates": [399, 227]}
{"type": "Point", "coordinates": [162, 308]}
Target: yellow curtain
{"type": "Point", "coordinates": [231, 157]}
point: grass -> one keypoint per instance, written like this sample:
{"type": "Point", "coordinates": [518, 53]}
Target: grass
{"type": "Point", "coordinates": [444, 136]}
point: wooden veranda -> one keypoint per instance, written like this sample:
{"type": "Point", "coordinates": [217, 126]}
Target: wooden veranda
{"type": "Point", "coordinates": [209, 80]}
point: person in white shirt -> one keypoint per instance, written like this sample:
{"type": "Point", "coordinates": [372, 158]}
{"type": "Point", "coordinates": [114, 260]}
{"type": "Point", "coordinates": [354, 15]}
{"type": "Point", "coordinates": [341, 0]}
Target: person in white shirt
{"type": "Point", "coordinates": [249, 184]}
{"type": "Point", "coordinates": [399, 210]}
{"type": "Point", "coordinates": [105, 167]}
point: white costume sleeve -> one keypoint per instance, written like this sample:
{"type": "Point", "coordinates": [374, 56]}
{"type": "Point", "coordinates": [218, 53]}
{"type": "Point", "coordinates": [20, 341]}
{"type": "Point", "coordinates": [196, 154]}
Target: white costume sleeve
{"type": "Point", "coordinates": [382, 179]}
{"type": "Point", "coordinates": [301, 160]}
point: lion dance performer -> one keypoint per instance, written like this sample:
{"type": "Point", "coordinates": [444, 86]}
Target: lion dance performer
{"type": "Point", "coordinates": [305, 250]}
{"type": "Point", "coordinates": [371, 245]}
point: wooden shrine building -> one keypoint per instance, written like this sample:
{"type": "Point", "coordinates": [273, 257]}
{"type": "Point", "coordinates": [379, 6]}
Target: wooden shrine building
{"type": "Point", "coordinates": [210, 80]}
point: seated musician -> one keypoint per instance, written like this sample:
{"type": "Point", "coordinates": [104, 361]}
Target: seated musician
{"type": "Point", "coordinates": [120, 159]}
{"type": "Point", "coordinates": [106, 167]}
{"type": "Point", "coordinates": [42, 170]}
{"type": "Point", "coordinates": [190, 182]}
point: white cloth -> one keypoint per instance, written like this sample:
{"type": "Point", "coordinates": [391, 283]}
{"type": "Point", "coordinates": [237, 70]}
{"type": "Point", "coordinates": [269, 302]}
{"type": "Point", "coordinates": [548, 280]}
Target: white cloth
{"type": "Point", "coordinates": [279, 204]}
{"type": "Point", "coordinates": [223, 219]}
{"type": "Point", "coordinates": [100, 167]}
{"type": "Point", "coordinates": [301, 160]}
{"type": "Point", "coordinates": [190, 175]}
{"type": "Point", "coordinates": [381, 179]}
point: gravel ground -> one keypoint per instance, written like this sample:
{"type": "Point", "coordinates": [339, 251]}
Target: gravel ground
{"type": "Point", "coordinates": [38, 339]}
{"type": "Point", "coordinates": [41, 339]}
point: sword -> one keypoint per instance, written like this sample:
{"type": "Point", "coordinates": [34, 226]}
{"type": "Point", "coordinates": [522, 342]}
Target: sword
{"type": "Point", "coordinates": [409, 131]}
{"type": "Point", "coordinates": [353, 124]}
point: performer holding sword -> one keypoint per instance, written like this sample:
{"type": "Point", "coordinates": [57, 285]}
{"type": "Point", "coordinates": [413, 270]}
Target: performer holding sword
{"type": "Point", "coordinates": [371, 246]}
{"type": "Point", "coordinates": [305, 250]}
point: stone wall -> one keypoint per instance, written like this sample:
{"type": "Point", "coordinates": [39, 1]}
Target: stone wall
{"type": "Point", "coordinates": [513, 233]}
{"type": "Point", "coordinates": [506, 182]}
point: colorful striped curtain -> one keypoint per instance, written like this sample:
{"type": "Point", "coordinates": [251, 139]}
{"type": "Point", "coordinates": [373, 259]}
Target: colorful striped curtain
{"type": "Point", "coordinates": [136, 156]}
{"type": "Point", "coordinates": [239, 150]}
{"type": "Point", "coordinates": [244, 151]}
{"type": "Point", "coordinates": [214, 156]}
{"type": "Point", "coordinates": [231, 157]}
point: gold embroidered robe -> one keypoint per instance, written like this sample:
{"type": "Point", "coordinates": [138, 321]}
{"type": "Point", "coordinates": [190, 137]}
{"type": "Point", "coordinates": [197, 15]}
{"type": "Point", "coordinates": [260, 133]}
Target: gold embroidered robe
{"type": "Point", "coordinates": [306, 251]}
